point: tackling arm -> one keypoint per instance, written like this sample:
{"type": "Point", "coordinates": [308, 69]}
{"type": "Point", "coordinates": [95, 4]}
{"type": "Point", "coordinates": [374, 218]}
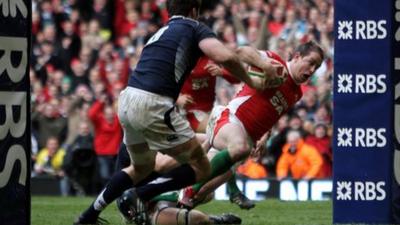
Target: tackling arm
{"type": "Point", "coordinates": [219, 53]}
{"type": "Point", "coordinates": [252, 56]}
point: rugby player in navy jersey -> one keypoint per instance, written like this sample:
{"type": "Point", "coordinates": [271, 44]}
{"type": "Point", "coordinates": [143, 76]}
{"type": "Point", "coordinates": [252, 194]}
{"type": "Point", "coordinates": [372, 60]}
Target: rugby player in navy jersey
{"type": "Point", "coordinates": [149, 118]}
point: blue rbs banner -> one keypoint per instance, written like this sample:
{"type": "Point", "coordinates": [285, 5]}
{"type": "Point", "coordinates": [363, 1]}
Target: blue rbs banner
{"type": "Point", "coordinates": [363, 111]}
{"type": "Point", "coordinates": [396, 79]}
{"type": "Point", "coordinates": [15, 27]}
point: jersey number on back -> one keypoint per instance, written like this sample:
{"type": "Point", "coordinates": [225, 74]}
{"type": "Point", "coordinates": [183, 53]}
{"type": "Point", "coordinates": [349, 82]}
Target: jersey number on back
{"type": "Point", "coordinates": [157, 35]}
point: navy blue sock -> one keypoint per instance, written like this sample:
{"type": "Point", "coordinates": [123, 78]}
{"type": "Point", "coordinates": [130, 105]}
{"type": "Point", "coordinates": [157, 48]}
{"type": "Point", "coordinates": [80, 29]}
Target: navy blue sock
{"type": "Point", "coordinates": [154, 175]}
{"type": "Point", "coordinates": [175, 179]}
{"type": "Point", "coordinates": [114, 188]}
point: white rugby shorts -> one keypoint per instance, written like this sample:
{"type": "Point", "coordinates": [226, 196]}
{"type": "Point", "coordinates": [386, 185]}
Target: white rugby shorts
{"type": "Point", "coordinates": [221, 115]}
{"type": "Point", "coordinates": [151, 118]}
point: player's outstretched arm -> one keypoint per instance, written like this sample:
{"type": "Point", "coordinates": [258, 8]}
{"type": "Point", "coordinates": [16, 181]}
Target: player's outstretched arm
{"type": "Point", "coordinates": [219, 53]}
{"type": "Point", "coordinates": [252, 56]}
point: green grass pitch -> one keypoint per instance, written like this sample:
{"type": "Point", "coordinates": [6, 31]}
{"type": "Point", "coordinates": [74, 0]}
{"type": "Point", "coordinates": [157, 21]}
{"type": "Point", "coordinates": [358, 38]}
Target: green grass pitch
{"type": "Point", "coordinates": [63, 211]}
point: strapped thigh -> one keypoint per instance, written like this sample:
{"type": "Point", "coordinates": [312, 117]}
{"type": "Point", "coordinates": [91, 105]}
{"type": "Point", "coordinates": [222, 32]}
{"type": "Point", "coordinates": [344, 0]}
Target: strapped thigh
{"type": "Point", "coordinates": [182, 217]}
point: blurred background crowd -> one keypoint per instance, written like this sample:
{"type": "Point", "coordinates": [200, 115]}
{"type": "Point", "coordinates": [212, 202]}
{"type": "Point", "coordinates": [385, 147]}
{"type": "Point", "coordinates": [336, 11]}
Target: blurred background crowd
{"type": "Point", "coordinates": [83, 51]}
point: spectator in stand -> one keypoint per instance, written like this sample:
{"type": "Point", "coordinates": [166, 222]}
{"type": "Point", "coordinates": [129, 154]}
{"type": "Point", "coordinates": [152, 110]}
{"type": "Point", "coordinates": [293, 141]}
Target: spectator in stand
{"type": "Point", "coordinates": [276, 24]}
{"type": "Point", "coordinates": [47, 16]}
{"type": "Point", "coordinates": [322, 142]}
{"type": "Point", "coordinates": [294, 29]}
{"type": "Point", "coordinates": [84, 138]}
{"type": "Point", "coordinates": [50, 160]}
{"type": "Point", "coordinates": [77, 112]}
{"type": "Point", "coordinates": [45, 59]}
{"type": "Point", "coordinates": [323, 115]}
{"type": "Point", "coordinates": [80, 162]}
{"type": "Point", "coordinates": [101, 10]}
{"type": "Point", "coordinates": [278, 139]}
{"type": "Point", "coordinates": [131, 22]}
{"type": "Point", "coordinates": [309, 102]}
{"type": "Point", "coordinates": [86, 58]}
{"type": "Point", "coordinates": [69, 45]}
{"type": "Point", "coordinates": [298, 160]}
{"type": "Point", "coordinates": [79, 75]}
{"type": "Point", "coordinates": [107, 135]}
{"type": "Point", "coordinates": [251, 168]}
{"type": "Point", "coordinates": [48, 121]}
{"type": "Point", "coordinates": [35, 24]}
{"type": "Point", "coordinates": [296, 123]}
{"type": "Point", "coordinates": [92, 37]}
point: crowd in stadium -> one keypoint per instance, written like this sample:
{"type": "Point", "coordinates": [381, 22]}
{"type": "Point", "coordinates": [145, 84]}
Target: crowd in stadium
{"type": "Point", "coordinates": [83, 52]}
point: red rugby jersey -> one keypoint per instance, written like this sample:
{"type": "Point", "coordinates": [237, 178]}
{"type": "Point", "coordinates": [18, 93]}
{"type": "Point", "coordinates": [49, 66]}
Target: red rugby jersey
{"type": "Point", "coordinates": [259, 111]}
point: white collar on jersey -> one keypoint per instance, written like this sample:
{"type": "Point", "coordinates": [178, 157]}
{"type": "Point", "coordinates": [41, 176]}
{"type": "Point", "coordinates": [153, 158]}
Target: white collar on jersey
{"type": "Point", "coordinates": [182, 17]}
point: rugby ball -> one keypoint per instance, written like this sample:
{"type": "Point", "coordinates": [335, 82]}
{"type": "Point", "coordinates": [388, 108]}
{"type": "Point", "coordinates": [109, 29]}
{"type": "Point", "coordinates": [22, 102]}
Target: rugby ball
{"type": "Point", "coordinates": [271, 80]}
{"type": "Point", "coordinates": [255, 71]}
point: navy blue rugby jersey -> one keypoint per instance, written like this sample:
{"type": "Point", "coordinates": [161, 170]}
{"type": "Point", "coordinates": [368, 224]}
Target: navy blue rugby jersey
{"type": "Point", "coordinates": [169, 56]}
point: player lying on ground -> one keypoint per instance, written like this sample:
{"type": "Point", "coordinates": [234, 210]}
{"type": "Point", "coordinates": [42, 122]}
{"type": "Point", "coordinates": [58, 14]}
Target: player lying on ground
{"type": "Point", "coordinates": [251, 113]}
{"type": "Point", "coordinates": [164, 209]}
{"type": "Point", "coordinates": [165, 212]}
{"type": "Point", "coordinates": [165, 163]}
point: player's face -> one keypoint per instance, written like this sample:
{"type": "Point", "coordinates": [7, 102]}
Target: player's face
{"type": "Point", "coordinates": [305, 66]}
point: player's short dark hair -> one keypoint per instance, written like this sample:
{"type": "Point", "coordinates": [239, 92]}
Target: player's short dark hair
{"type": "Point", "coordinates": [308, 47]}
{"type": "Point", "coordinates": [182, 7]}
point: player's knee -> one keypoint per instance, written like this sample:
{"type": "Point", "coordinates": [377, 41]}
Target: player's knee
{"type": "Point", "coordinates": [186, 152]}
{"type": "Point", "coordinates": [143, 159]}
{"type": "Point", "coordinates": [197, 159]}
{"type": "Point", "coordinates": [200, 164]}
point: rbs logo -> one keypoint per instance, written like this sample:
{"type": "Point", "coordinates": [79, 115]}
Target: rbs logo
{"type": "Point", "coordinates": [362, 30]}
{"type": "Point", "coordinates": [360, 190]}
{"type": "Point", "coordinates": [361, 83]}
{"type": "Point", "coordinates": [361, 137]}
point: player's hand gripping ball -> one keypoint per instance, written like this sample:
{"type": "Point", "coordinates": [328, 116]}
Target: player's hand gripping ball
{"type": "Point", "coordinates": [272, 79]}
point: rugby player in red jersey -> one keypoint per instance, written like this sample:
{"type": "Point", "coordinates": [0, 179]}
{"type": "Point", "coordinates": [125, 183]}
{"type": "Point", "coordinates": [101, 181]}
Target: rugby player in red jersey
{"type": "Point", "coordinates": [196, 101]}
{"type": "Point", "coordinates": [251, 114]}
